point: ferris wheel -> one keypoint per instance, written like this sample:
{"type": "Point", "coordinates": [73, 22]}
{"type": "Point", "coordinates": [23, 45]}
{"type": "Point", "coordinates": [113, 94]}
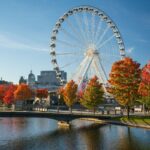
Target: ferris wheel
{"type": "Point", "coordinates": [85, 42]}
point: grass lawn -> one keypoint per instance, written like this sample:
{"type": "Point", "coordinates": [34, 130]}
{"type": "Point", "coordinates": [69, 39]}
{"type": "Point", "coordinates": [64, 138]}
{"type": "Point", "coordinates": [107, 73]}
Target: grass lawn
{"type": "Point", "coordinates": [136, 120]}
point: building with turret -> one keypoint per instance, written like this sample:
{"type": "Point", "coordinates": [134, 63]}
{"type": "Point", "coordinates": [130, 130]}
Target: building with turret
{"type": "Point", "coordinates": [47, 79]}
{"type": "Point", "coordinates": [4, 82]}
{"type": "Point", "coordinates": [22, 80]}
{"type": "Point", "coordinates": [31, 80]}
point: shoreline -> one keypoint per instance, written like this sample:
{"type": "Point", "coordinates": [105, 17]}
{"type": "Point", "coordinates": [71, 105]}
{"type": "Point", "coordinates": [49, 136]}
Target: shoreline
{"type": "Point", "coordinates": [133, 121]}
{"type": "Point", "coordinates": [128, 124]}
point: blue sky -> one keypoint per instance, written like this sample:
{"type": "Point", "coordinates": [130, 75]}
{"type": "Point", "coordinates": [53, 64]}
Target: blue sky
{"type": "Point", "coordinates": [26, 25]}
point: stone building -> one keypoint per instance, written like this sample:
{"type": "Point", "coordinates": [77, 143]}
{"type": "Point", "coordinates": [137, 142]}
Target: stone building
{"type": "Point", "coordinates": [22, 80]}
{"type": "Point", "coordinates": [32, 80]}
{"type": "Point", "coordinates": [47, 79]}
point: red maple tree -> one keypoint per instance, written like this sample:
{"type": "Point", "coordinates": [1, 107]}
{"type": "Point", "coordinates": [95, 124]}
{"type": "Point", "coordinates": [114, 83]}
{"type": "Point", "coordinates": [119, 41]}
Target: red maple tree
{"type": "Point", "coordinates": [3, 89]}
{"type": "Point", "coordinates": [124, 80]}
{"type": "Point", "coordinates": [144, 88]}
{"type": "Point", "coordinates": [9, 95]}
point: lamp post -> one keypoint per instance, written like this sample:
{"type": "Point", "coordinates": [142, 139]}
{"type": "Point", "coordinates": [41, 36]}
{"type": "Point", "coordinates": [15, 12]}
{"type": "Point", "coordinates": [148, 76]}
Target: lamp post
{"type": "Point", "coordinates": [58, 103]}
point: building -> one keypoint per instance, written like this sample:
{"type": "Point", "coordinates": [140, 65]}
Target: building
{"type": "Point", "coordinates": [22, 80]}
{"type": "Point", "coordinates": [31, 80]}
{"type": "Point", "coordinates": [4, 82]}
{"type": "Point", "coordinates": [47, 79]}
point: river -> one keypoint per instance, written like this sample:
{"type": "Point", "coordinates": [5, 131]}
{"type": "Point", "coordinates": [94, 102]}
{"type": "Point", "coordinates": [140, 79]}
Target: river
{"type": "Point", "coordinates": [44, 134]}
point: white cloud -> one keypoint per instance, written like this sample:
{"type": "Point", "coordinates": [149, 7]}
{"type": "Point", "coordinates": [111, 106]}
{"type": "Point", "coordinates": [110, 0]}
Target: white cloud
{"type": "Point", "coordinates": [130, 50]}
{"type": "Point", "coordinates": [143, 41]}
{"type": "Point", "coordinates": [7, 42]}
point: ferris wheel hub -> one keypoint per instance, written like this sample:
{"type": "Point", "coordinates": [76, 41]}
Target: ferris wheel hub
{"type": "Point", "coordinates": [91, 52]}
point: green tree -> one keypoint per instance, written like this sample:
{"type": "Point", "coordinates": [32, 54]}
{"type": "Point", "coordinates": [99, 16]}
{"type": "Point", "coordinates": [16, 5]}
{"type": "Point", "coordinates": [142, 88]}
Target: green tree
{"type": "Point", "coordinates": [124, 80]}
{"type": "Point", "coordinates": [92, 96]}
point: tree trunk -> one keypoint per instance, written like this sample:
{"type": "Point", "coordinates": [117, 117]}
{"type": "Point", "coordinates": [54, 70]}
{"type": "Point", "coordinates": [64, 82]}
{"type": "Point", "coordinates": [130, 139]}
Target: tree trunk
{"type": "Point", "coordinates": [143, 108]}
{"type": "Point", "coordinates": [71, 109]}
{"type": "Point", "coordinates": [94, 110]}
{"type": "Point", "coordinates": [128, 111]}
{"type": "Point", "coordinates": [58, 106]}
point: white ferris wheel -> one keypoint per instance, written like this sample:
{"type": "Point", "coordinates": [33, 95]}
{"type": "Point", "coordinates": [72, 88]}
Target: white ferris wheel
{"type": "Point", "coordinates": [85, 42]}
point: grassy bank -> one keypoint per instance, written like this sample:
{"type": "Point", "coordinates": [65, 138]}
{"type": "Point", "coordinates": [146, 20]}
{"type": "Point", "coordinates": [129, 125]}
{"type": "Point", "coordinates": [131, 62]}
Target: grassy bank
{"type": "Point", "coordinates": [135, 120]}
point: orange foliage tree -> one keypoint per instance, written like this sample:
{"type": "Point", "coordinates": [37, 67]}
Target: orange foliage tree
{"type": "Point", "coordinates": [69, 93]}
{"type": "Point", "coordinates": [41, 93]}
{"type": "Point", "coordinates": [23, 92]}
{"type": "Point", "coordinates": [9, 95]}
{"type": "Point", "coordinates": [144, 88]}
{"type": "Point", "coordinates": [3, 89]}
{"type": "Point", "coordinates": [92, 96]}
{"type": "Point", "coordinates": [124, 80]}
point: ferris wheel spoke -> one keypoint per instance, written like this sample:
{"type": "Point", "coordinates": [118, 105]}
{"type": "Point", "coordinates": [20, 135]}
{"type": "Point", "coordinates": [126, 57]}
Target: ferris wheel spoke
{"type": "Point", "coordinates": [105, 42]}
{"type": "Point", "coordinates": [86, 27]}
{"type": "Point", "coordinates": [98, 30]}
{"type": "Point", "coordinates": [108, 56]}
{"type": "Point", "coordinates": [93, 27]}
{"type": "Point", "coordinates": [70, 53]}
{"type": "Point", "coordinates": [68, 44]}
{"type": "Point", "coordinates": [87, 67]}
{"type": "Point", "coordinates": [74, 30]}
{"type": "Point", "coordinates": [106, 61]}
{"type": "Point", "coordinates": [101, 69]}
{"type": "Point", "coordinates": [70, 35]}
{"type": "Point", "coordinates": [108, 52]}
{"type": "Point", "coordinates": [80, 68]}
{"type": "Point", "coordinates": [69, 64]}
{"type": "Point", "coordinates": [103, 34]}
{"type": "Point", "coordinates": [78, 20]}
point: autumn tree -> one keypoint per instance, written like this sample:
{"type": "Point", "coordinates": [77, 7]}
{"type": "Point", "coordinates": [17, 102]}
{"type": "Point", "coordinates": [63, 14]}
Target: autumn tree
{"type": "Point", "coordinates": [41, 93]}
{"type": "Point", "coordinates": [23, 92]}
{"type": "Point", "coordinates": [69, 93]}
{"type": "Point", "coordinates": [3, 89]}
{"type": "Point", "coordinates": [124, 80]}
{"type": "Point", "coordinates": [9, 95]}
{"type": "Point", "coordinates": [92, 95]}
{"type": "Point", "coordinates": [144, 88]}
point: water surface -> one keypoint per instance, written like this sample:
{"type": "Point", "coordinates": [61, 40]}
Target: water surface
{"type": "Point", "coordinates": [44, 134]}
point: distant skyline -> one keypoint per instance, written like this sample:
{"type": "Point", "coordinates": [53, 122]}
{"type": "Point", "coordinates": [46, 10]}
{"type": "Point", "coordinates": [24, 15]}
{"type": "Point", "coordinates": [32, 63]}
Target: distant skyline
{"type": "Point", "coordinates": [26, 25]}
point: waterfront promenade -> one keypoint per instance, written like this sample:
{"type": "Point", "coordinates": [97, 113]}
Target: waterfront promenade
{"type": "Point", "coordinates": [135, 120]}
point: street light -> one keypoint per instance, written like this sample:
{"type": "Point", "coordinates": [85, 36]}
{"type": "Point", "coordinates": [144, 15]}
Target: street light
{"type": "Point", "coordinates": [58, 103]}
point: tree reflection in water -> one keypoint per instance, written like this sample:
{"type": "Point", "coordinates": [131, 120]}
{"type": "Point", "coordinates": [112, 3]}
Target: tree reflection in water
{"type": "Point", "coordinates": [43, 134]}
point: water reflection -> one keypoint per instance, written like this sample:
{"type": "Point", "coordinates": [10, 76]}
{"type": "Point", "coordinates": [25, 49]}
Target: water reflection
{"type": "Point", "coordinates": [43, 134]}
